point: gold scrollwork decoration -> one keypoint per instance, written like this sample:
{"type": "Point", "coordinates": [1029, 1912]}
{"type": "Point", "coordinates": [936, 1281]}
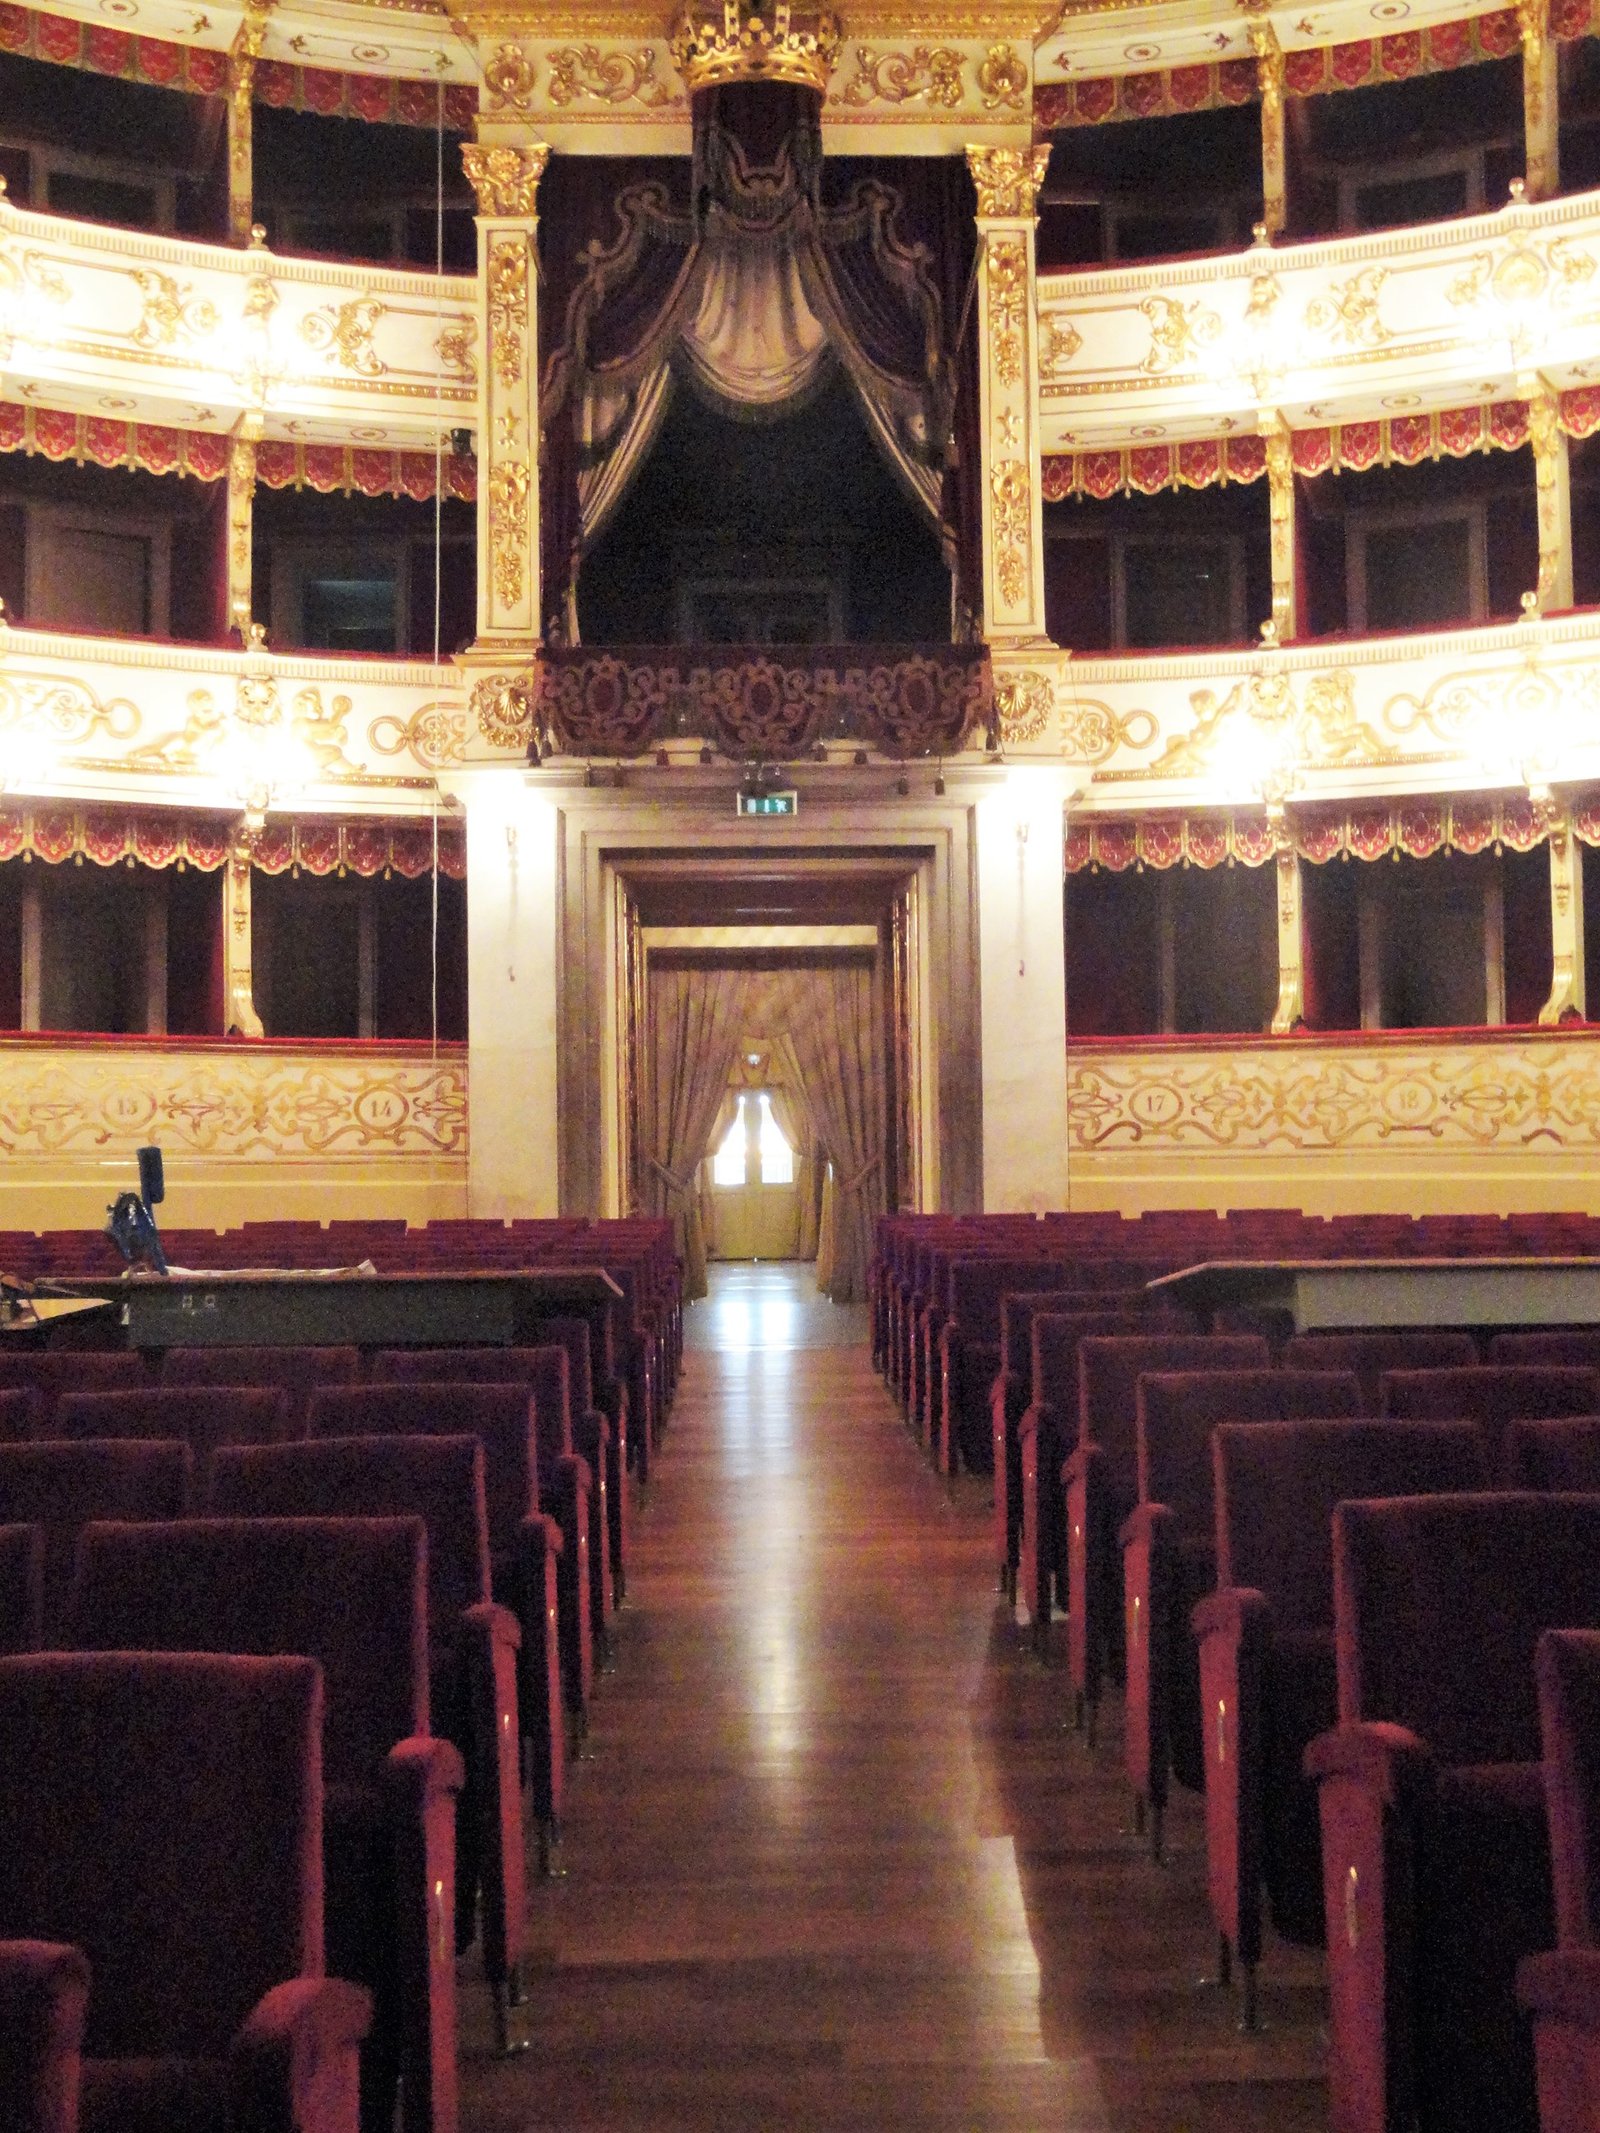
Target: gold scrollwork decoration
{"type": "Point", "coordinates": [1059, 342]}
{"type": "Point", "coordinates": [344, 332]}
{"type": "Point", "coordinates": [505, 180]}
{"type": "Point", "coordinates": [63, 714]}
{"type": "Point", "coordinates": [1002, 79]}
{"type": "Point", "coordinates": [434, 735]}
{"type": "Point", "coordinates": [585, 71]}
{"type": "Point", "coordinates": [510, 494]}
{"type": "Point", "coordinates": [1349, 311]}
{"type": "Point", "coordinates": [1011, 496]}
{"type": "Point", "coordinates": [510, 77]}
{"type": "Point", "coordinates": [1092, 732]}
{"type": "Point", "coordinates": [1006, 261]}
{"type": "Point", "coordinates": [1178, 333]}
{"type": "Point", "coordinates": [171, 310]}
{"type": "Point", "coordinates": [508, 305]}
{"type": "Point", "coordinates": [928, 74]}
{"type": "Point", "coordinates": [1023, 703]}
{"type": "Point", "coordinates": [1007, 181]}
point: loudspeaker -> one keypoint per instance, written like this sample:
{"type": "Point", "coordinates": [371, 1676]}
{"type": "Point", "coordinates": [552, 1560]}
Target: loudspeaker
{"type": "Point", "coordinates": [152, 1183]}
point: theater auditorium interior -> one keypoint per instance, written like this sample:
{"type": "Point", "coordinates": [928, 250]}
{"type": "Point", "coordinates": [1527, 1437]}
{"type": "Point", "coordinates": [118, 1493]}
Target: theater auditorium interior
{"type": "Point", "coordinates": [800, 1225]}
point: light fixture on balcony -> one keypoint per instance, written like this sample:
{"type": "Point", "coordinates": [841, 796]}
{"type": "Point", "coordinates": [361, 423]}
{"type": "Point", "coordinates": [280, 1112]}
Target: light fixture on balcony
{"type": "Point", "coordinates": [769, 41]}
{"type": "Point", "coordinates": [257, 757]}
{"type": "Point", "coordinates": [1263, 347]}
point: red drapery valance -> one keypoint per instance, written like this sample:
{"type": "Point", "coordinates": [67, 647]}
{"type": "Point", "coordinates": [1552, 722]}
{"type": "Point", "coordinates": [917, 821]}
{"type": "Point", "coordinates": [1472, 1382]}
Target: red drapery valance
{"type": "Point", "coordinates": [1313, 71]}
{"type": "Point", "coordinates": [154, 449]}
{"type": "Point", "coordinates": [110, 837]}
{"type": "Point", "coordinates": [1372, 830]}
{"type": "Point", "coordinates": [1395, 440]}
{"type": "Point", "coordinates": [202, 70]}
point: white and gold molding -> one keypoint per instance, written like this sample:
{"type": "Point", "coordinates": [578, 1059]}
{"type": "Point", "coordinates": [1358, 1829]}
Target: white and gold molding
{"type": "Point", "coordinates": [395, 37]}
{"type": "Point", "coordinates": [1349, 329]}
{"type": "Point", "coordinates": [1089, 40]}
{"type": "Point", "coordinates": [1484, 710]}
{"type": "Point", "coordinates": [1380, 1122]}
{"type": "Point", "coordinates": [157, 329]}
{"type": "Point", "coordinates": [247, 1131]}
{"type": "Point", "coordinates": [90, 719]}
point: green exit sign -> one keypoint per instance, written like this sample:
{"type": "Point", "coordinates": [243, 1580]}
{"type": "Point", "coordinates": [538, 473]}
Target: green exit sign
{"type": "Point", "coordinates": [766, 803]}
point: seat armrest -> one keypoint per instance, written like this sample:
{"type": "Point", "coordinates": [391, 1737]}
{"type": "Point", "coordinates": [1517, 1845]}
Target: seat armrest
{"type": "Point", "coordinates": [591, 1437]}
{"type": "Point", "coordinates": [295, 2062]}
{"type": "Point", "coordinates": [1390, 1762]}
{"type": "Point", "coordinates": [493, 1626]}
{"type": "Point", "coordinates": [1236, 1612]}
{"type": "Point", "coordinates": [575, 1472]}
{"type": "Point", "coordinates": [1082, 1463]}
{"type": "Point", "coordinates": [44, 1995]}
{"type": "Point", "coordinates": [418, 1771]}
{"type": "Point", "coordinates": [539, 1536]}
{"type": "Point", "coordinates": [1147, 1525]}
{"type": "Point", "coordinates": [1563, 1983]}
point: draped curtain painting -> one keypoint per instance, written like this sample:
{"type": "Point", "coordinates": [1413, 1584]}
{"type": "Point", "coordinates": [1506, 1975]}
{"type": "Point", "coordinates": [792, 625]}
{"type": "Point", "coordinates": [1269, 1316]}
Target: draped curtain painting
{"type": "Point", "coordinates": [747, 280]}
{"type": "Point", "coordinates": [823, 1036]}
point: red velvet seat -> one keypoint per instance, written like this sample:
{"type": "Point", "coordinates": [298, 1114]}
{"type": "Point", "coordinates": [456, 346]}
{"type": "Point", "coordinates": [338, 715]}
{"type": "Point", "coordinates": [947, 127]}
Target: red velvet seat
{"type": "Point", "coordinates": [1493, 1395]}
{"type": "Point", "coordinates": [21, 1412]}
{"type": "Point", "coordinates": [473, 1643]}
{"type": "Point", "coordinates": [203, 1417]}
{"type": "Point", "coordinates": [969, 1353]}
{"type": "Point", "coordinates": [21, 1588]}
{"type": "Point", "coordinates": [299, 1372]}
{"type": "Point", "coordinates": [572, 1479]}
{"type": "Point", "coordinates": [1554, 1347]}
{"type": "Point", "coordinates": [524, 1544]}
{"type": "Point", "coordinates": [1436, 1854]}
{"type": "Point", "coordinates": [61, 1487]}
{"type": "Point", "coordinates": [49, 1372]}
{"type": "Point", "coordinates": [1047, 1429]}
{"type": "Point", "coordinates": [161, 1900]}
{"type": "Point", "coordinates": [350, 1593]}
{"type": "Point", "coordinates": [1265, 1648]}
{"type": "Point", "coordinates": [1169, 1556]}
{"type": "Point", "coordinates": [1561, 1987]}
{"type": "Point", "coordinates": [1369, 1355]}
{"type": "Point", "coordinates": [574, 1334]}
{"type": "Point", "coordinates": [1560, 1455]}
{"type": "Point", "coordinates": [1100, 1477]}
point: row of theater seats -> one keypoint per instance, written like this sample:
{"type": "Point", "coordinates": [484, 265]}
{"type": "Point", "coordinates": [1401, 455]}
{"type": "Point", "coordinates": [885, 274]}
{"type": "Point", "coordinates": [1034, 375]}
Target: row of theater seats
{"type": "Point", "coordinates": [1321, 1573]}
{"type": "Point", "coordinates": [195, 1845]}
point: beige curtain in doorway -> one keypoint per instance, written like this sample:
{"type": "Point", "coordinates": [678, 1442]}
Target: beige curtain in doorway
{"type": "Point", "coordinates": [695, 1021]}
{"type": "Point", "coordinates": [792, 1112]}
{"type": "Point", "coordinates": [832, 1027]}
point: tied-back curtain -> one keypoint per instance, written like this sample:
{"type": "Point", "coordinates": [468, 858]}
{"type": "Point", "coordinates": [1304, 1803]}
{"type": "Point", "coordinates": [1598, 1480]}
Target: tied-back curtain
{"type": "Point", "coordinates": [832, 1027]}
{"type": "Point", "coordinates": [750, 291]}
{"type": "Point", "coordinates": [696, 1017]}
{"type": "Point", "coordinates": [793, 1115]}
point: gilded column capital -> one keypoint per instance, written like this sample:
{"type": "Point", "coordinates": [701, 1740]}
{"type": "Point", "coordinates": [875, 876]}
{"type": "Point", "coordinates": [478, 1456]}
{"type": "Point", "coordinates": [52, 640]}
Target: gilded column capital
{"type": "Point", "coordinates": [506, 180]}
{"type": "Point", "coordinates": [1008, 181]}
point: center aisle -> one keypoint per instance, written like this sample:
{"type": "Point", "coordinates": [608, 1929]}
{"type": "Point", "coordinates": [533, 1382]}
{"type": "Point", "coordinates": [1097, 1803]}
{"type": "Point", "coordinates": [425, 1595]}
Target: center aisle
{"type": "Point", "coordinates": [834, 1864]}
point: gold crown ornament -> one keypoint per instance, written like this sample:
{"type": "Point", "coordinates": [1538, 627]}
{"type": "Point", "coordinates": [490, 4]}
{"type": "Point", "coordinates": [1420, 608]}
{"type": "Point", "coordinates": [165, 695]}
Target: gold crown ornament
{"type": "Point", "coordinates": [761, 42]}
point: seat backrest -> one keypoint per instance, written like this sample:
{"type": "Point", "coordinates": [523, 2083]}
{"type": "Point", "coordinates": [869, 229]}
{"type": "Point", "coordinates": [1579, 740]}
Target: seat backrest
{"type": "Point", "coordinates": [21, 1412]}
{"type": "Point", "coordinates": [573, 1335]}
{"type": "Point", "coordinates": [1492, 1395]}
{"type": "Point", "coordinates": [1438, 1604]}
{"type": "Point", "coordinates": [1567, 1675]}
{"type": "Point", "coordinates": [21, 1588]}
{"type": "Point", "coordinates": [53, 1371]}
{"type": "Point", "coordinates": [436, 1479]}
{"type": "Point", "coordinates": [1053, 1348]}
{"type": "Point", "coordinates": [979, 1287]}
{"type": "Point", "coordinates": [1277, 1484]}
{"type": "Point", "coordinates": [499, 1416]}
{"type": "Point", "coordinates": [1018, 1310]}
{"type": "Point", "coordinates": [1555, 1454]}
{"type": "Point", "coordinates": [298, 1371]}
{"type": "Point", "coordinates": [1176, 1411]}
{"type": "Point", "coordinates": [1109, 1370]}
{"type": "Point", "coordinates": [61, 1487]}
{"type": "Point", "coordinates": [1576, 1347]}
{"type": "Point", "coordinates": [203, 1416]}
{"type": "Point", "coordinates": [350, 1593]}
{"type": "Point", "coordinates": [544, 1371]}
{"type": "Point", "coordinates": [164, 1813]}
{"type": "Point", "coordinates": [1369, 1355]}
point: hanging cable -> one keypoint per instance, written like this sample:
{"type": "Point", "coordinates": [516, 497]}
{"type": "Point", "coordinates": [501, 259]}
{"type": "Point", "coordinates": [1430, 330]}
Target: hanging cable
{"type": "Point", "coordinates": [438, 531]}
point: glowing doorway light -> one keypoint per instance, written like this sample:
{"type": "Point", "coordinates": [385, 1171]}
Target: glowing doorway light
{"type": "Point", "coordinates": [728, 1164]}
{"type": "Point", "coordinates": [777, 1157]}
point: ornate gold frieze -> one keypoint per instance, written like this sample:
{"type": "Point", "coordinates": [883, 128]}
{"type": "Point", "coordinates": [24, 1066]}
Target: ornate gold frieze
{"type": "Point", "coordinates": [1179, 332]}
{"type": "Point", "coordinates": [344, 332]}
{"type": "Point", "coordinates": [510, 493]}
{"type": "Point", "coordinates": [928, 74]}
{"type": "Point", "coordinates": [1011, 494]}
{"type": "Point", "coordinates": [508, 304]}
{"type": "Point", "coordinates": [1003, 79]}
{"type": "Point", "coordinates": [505, 180]}
{"type": "Point", "coordinates": [434, 735]}
{"type": "Point", "coordinates": [1007, 181]}
{"type": "Point", "coordinates": [171, 311]}
{"type": "Point", "coordinates": [1310, 1099]}
{"type": "Point", "coordinates": [502, 711]}
{"type": "Point", "coordinates": [762, 42]}
{"type": "Point", "coordinates": [1349, 312]}
{"type": "Point", "coordinates": [1023, 703]}
{"type": "Point", "coordinates": [580, 73]}
{"type": "Point", "coordinates": [510, 78]}
{"type": "Point", "coordinates": [1006, 264]}
{"type": "Point", "coordinates": [228, 1103]}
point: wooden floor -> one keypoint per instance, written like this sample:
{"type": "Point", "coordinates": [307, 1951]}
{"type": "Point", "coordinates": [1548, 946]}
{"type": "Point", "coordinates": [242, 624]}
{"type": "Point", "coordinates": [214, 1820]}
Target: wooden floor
{"type": "Point", "coordinates": [835, 1864]}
